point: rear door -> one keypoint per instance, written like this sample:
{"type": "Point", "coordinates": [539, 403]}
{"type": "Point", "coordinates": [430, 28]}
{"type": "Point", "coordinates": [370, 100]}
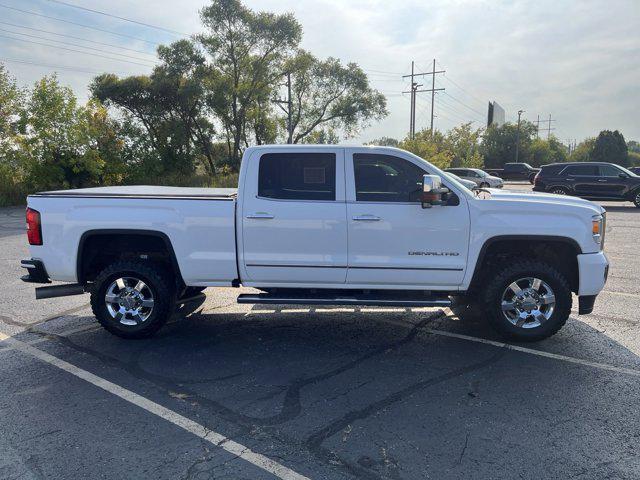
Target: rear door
{"type": "Point", "coordinates": [293, 217]}
{"type": "Point", "coordinates": [392, 240]}
{"type": "Point", "coordinates": [583, 179]}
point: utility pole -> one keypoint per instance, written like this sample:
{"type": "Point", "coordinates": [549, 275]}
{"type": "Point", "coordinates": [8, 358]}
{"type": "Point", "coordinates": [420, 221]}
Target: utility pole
{"type": "Point", "coordinates": [520, 112]}
{"type": "Point", "coordinates": [549, 128]}
{"type": "Point", "coordinates": [538, 126]}
{"type": "Point", "coordinates": [414, 90]}
{"type": "Point", "coordinates": [288, 110]}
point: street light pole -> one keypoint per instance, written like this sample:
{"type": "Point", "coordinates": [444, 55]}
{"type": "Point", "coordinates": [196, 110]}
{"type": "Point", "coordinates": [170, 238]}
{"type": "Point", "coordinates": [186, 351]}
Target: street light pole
{"type": "Point", "coordinates": [520, 112]}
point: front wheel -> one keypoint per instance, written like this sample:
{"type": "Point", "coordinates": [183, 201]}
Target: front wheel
{"type": "Point", "coordinates": [528, 300]}
{"type": "Point", "coordinates": [132, 299]}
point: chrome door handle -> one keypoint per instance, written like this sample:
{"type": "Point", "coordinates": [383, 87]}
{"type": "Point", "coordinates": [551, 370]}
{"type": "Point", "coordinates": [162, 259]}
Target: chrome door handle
{"type": "Point", "coordinates": [602, 179]}
{"type": "Point", "coordinates": [261, 215]}
{"type": "Point", "coordinates": [366, 218]}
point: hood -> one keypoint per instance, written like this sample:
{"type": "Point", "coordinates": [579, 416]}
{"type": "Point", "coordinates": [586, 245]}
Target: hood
{"type": "Point", "coordinates": [545, 198]}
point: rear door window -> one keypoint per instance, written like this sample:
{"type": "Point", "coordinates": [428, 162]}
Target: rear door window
{"type": "Point", "coordinates": [582, 170]}
{"type": "Point", "coordinates": [297, 176]}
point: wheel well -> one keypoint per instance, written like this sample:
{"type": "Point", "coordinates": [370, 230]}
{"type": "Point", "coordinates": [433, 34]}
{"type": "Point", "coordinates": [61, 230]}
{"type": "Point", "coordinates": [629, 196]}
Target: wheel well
{"type": "Point", "coordinates": [561, 253]}
{"type": "Point", "coordinates": [98, 249]}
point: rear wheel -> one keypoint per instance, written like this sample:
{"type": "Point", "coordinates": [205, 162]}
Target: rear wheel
{"type": "Point", "coordinates": [132, 299]}
{"type": "Point", "coordinates": [528, 300]}
{"type": "Point", "coordinates": [559, 191]}
{"type": "Point", "coordinates": [636, 199]}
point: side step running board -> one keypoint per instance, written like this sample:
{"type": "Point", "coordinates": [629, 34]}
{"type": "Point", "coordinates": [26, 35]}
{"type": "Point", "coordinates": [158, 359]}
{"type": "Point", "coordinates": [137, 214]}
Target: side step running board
{"type": "Point", "coordinates": [356, 300]}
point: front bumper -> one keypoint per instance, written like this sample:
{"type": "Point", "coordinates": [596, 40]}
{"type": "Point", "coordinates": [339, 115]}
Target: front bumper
{"type": "Point", "coordinates": [593, 269]}
{"type": "Point", "coordinates": [37, 272]}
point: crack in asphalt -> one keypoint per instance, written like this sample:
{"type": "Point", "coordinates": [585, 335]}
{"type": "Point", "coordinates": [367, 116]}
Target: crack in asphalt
{"type": "Point", "coordinates": [315, 441]}
{"type": "Point", "coordinates": [291, 406]}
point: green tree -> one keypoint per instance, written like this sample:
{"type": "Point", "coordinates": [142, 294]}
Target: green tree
{"type": "Point", "coordinates": [11, 106]}
{"type": "Point", "coordinates": [327, 94]}
{"type": "Point", "coordinates": [66, 145]}
{"type": "Point", "coordinates": [430, 147]}
{"type": "Point", "coordinates": [464, 144]}
{"type": "Point", "coordinates": [247, 50]}
{"type": "Point", "coordinates": [170, 105]}
{"type": "Point", "coordinates": [582, 153]}
{"type": "Point", "coordinates": [385, 142]}
{"type": "Point", "coordinates": [542, 152]}
{"type": "Point", "coordinates": [499, 144]}
{"type": "Point", "coordinates": [610, 147]}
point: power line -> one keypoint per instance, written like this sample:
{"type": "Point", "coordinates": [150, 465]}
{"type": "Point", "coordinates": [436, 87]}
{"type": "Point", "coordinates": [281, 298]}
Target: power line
{"type": "Point", "coordinates": [76, 38]}
{"type": "Point", "coordinates": [75, 45]}
{"type": "Point", "coordinates": [55, 67]}
{"type": "Point", "coordinates": [74, 50]}
{"type": "Point", "coordinates": [119, 18]}
{"type": "Point", "coordinates": [464, 114]}
{"type": "Point", "coordinates": [463, 104]}
{"type": "Point", "coordinates": [77, 24]}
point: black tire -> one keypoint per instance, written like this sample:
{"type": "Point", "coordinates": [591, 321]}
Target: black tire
{"type": "Point", "coordinates": [636, 199]}
{"type": "Point", "coordinates": [158, 281]}
{"type": "Point", "coordinates": [498, 283]}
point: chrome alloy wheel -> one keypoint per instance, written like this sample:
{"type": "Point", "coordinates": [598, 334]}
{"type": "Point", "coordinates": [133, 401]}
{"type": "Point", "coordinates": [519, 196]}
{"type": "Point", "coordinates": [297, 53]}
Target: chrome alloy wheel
{"type": "Point", "coordinates": [559, 191]}
{"type": "Point", "coordinates": [528, 302]}
{"type": "Point", "coordinates": [129, 301]}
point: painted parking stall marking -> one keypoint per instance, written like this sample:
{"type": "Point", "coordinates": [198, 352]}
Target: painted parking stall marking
{"type": "Point", "coordinates": [181, 421]}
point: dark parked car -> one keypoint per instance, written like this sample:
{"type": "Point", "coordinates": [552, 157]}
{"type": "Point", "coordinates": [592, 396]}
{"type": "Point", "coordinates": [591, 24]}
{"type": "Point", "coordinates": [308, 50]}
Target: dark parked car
{"type": "Point", "coordinates": [635, 170]}
{"type": "Point", "coordinates": [595, 181]}
{"type": "Point", "coordinates": [514, 171]}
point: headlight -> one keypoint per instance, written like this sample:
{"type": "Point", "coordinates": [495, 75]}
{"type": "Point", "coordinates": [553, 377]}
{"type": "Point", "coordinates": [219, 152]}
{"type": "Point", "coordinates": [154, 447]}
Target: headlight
{"type": "Point", "coordinates": [597, 229]}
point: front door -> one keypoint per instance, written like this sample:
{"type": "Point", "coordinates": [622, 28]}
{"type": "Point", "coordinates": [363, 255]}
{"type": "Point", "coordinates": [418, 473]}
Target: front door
{"type": "Point", "coordinates": [613, 181]}
{"type": "Point", "coordinates": [293, 217]}
{"type": "Point", "coordinates": [393, 241]}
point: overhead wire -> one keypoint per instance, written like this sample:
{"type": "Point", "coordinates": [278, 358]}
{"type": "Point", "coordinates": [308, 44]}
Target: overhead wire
{"type": "Point", "coordinates": [77, 24]}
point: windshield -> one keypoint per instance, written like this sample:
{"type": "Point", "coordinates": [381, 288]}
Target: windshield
{"type": "Point", "coordinates": [482, 173]}
{"type": "Point", "coordinates": [628, 172]}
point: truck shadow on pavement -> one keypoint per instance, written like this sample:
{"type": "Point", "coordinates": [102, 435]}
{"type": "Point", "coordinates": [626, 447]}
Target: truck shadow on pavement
{"type": "Point", "coordinates": [377, 394]}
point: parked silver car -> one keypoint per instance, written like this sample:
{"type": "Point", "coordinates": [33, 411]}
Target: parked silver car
{"type": "Point", "coordinates": [479, 177]}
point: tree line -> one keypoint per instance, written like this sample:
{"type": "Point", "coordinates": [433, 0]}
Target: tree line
{"type": "Point", "coordinates": [465, 146]}
{"type": "Point", "coordinates": [214, 94]}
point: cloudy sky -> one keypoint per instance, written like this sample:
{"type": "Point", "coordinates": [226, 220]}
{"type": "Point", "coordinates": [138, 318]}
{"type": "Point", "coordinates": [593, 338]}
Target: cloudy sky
{"type": "Point", "coordinates": [578, 61]}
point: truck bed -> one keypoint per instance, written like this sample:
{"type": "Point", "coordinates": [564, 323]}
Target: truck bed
{"type": "Point", "coordinates": [199, 224]}
{"type": "Point", "coordinates": [145, 191]}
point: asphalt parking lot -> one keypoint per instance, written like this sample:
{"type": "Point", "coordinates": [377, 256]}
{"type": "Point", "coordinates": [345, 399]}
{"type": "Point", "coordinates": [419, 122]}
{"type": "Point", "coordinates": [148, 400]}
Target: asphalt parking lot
{"type": "Point", "coordinates": [237, 391]}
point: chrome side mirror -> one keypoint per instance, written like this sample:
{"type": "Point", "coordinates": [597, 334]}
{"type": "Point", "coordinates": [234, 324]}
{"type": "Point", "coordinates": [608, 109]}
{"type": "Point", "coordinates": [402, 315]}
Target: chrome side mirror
{"type": "Point", "coordinates": [432, 191]}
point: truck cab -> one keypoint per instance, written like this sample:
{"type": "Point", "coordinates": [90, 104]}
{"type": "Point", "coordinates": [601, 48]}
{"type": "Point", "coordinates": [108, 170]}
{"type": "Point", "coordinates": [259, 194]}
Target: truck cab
{"type": "Point", "coordinates": [323, 225]}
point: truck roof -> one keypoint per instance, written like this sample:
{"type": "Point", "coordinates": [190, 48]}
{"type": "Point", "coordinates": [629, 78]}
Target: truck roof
{"type": "Point", "coordinates": [145, 191]}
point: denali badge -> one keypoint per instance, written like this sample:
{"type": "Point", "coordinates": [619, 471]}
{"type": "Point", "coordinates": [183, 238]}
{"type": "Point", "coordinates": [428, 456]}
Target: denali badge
{"type": "Point", "coordinates": [435, 254]}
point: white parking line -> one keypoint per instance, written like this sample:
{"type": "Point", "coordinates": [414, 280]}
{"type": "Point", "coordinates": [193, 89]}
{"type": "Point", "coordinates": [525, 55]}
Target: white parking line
{"type": "Point", "coordinates": [530, 351]}
{"type": "Point", "coordinates": [181, 421]}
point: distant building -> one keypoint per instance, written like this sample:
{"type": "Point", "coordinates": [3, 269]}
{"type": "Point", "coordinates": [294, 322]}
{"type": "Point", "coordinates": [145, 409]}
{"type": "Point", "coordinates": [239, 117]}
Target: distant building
{"type": "Point", "coordinates": [495, 115]}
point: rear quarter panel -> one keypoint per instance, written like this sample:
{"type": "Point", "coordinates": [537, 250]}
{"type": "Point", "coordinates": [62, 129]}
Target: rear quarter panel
{"type": "Point", "coordinates": [201, 232]}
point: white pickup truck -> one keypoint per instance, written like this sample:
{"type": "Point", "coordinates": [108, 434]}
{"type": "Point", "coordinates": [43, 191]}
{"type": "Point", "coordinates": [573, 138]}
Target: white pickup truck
{"type": "Point", "coordinates": [321, 225]}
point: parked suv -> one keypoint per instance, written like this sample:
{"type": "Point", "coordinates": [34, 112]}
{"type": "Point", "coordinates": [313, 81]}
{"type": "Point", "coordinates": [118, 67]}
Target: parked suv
{"type": "Point", "coordinates": [481, 178]}
{"type": "Point", "coordinates": [514, 171]}
{"type": "Point", "coordinates": [595, 181]}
